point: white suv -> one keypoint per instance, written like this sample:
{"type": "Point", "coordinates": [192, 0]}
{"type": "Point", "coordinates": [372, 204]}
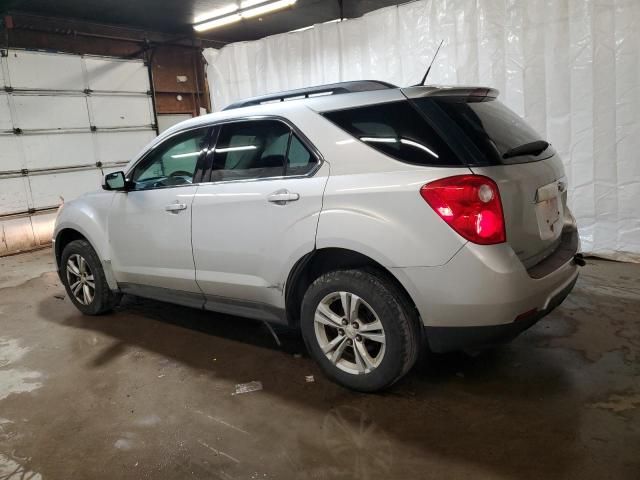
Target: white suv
{"type": "Point", "coordinates": [377, 219]}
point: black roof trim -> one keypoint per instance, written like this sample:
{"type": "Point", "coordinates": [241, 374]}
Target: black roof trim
{"type": "Point", "coordinates": [330, 89]}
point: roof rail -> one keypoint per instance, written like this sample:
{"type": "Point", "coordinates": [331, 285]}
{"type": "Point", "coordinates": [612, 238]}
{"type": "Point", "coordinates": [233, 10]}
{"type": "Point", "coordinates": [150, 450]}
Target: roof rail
{"type": "Point", "coordinates": [318, 91]}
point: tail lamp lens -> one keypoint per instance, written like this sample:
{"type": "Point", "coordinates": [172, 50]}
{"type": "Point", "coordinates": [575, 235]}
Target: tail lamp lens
{"type": "Point", "coordinates": [470, 204]}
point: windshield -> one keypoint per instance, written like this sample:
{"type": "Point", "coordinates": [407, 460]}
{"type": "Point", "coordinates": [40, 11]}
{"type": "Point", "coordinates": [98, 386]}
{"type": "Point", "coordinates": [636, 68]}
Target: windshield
{"type": "Point", "coordinates": [498, 134]}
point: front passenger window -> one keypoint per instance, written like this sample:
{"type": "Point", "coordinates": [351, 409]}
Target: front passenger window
{"type": "Point", "coordinates": [171, 163]}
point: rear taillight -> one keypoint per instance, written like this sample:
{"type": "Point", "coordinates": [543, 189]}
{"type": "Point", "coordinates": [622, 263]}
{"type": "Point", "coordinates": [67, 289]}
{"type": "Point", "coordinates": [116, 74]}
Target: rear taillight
{"type": "Point", "coordinates": [470, 204]}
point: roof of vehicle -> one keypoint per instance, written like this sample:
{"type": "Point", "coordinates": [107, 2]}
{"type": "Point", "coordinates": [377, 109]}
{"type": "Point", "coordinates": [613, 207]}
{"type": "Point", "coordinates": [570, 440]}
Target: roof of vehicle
{"type": "Point", "coordinates": [311, 92]}
{"type": "Point", "coordinates": [323, 98]}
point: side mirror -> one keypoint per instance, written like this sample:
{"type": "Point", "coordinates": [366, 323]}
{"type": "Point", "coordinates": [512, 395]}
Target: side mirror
{"type": "Point", "coordinates": [115, 181]}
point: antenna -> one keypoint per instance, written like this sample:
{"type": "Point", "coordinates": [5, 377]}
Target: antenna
{"type": "Point", "coordinates": [424, 79]}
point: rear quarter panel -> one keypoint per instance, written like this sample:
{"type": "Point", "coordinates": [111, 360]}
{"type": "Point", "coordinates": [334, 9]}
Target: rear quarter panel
{"type": "Point", "coordinates": [372, 204]}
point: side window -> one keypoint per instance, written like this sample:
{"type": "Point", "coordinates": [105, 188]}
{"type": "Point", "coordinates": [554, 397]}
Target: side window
{"type": "Point", "coordinates": [300, 160]}
{"type": "Point", "coordinates": [397, 130]}
{"type": "Point", "coordinates": [252, 149]}
{"type": "Point", "coordinates": [171, 163]}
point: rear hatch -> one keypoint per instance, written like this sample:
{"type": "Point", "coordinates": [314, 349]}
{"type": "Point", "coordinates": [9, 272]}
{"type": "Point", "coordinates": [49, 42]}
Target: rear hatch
{"type": "Point", "coordinates": [496, 142]}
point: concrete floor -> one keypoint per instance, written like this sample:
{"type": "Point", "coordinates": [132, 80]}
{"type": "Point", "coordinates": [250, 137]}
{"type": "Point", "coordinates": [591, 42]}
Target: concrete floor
{"type": "Point", "coordinates": [148, 392]}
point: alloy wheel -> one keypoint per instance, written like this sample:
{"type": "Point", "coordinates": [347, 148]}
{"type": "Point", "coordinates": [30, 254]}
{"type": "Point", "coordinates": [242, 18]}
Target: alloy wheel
{"type": "Point", "coordinates": [349, 333]}
{"type": "Point", "coordinates": [80, 279]}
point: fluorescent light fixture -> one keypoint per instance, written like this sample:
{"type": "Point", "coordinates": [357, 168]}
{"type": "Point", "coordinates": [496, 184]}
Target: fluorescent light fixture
{"type": "Point", "coordinates": [234, 13]}
{"type": "Point", "coordinates": [185, 155]}
{"type": "Point", "coordinates": [269, 7]}
{"type": "Point", "coordinates": [236, 149]}
{"type": "Point", "coordinates": [251, 3]}
{"type": "Point", "coordinates": [219, 12]}
{"type": "Point", "coordinates": [219, 22]}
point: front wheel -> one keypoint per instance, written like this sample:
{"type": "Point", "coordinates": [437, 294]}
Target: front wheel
{"type": "Point", "coordinates": [359, 328]}
{"type": "Point", "coordinates": [84, 279]}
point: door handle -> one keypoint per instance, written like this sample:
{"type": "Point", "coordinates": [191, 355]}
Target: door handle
{"type": "Point", "coordinates": [282, 197]}
{"type": "Point", "coordinates": [175, 207]}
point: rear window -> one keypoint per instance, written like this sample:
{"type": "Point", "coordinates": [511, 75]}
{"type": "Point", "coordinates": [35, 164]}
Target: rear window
{"type": "Point", "coordinates": [493, 129]}
{"type": "Point", "coordinates": [398, 130]}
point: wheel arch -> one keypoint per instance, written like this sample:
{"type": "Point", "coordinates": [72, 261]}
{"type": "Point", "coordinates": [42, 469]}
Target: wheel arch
{"type": "Point", "coordinates": [68, 234]}
{"type": "Point", "coordinates": [64, 237]}
{"type": "Point", "coordinates": [324, 260]}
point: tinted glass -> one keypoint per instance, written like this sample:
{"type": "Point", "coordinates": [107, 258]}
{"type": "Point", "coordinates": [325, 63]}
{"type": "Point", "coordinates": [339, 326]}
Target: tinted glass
{"type": "Point", "coordinates": [254, 149]}
{"type": "Point", "coordinates": [171, 163]}
{"type": "Point", "coordinates": [300, 160]}
{"type": "Point", "coordinates": [492, 128]}
{"type": "Point", "coordinates": [398, 130]}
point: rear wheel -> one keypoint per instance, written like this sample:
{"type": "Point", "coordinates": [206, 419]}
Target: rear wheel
{"type": "Point", "coordinates": [359, 329]}
{"type": "Point", "coordinates": [84, 279]}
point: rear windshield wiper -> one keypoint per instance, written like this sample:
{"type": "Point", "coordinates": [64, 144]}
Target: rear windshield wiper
{"type": "Point", "coordinates": [531, 148]}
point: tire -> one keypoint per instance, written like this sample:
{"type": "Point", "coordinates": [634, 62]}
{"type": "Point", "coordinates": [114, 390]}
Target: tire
{"type": "Point", "coordinates": [81, 268]}
{"type": "Point", "coordinates": [387, 357]}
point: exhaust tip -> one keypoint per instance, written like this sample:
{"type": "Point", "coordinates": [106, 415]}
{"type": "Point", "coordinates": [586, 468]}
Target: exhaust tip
{"type": "Point", "coordinates": [579, 260]}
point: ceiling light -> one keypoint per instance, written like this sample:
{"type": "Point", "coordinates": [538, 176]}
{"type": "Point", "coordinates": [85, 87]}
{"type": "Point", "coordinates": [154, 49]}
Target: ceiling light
{"type": "Point", "coordinates": [251, 3]}
{"type": "Point", "coordinates": [235, 13]}
{"type": "Point", "coordinates": [269, 7]}
{"type": "Point", "coordinates": [219, 12]}
{"type": "Point", "coordinates": [218, 22]}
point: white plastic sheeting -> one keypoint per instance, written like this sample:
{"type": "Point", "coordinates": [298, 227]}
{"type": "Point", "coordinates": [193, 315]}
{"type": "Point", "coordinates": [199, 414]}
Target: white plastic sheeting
{"type": "Point", "coordinates": [570, 67]}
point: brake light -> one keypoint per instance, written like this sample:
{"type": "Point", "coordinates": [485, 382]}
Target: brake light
{"type": "Point", "coordinates": [470, 204]}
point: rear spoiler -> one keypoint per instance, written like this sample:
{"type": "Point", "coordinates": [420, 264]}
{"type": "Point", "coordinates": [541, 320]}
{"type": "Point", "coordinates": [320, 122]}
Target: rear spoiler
{"type": "Point", "coordinates": [476, 93]}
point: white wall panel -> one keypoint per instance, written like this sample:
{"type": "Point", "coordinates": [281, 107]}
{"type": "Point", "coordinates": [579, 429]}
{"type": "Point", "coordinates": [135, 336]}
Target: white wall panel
{"type": "Point", "coordinates": [10, 158]}
{"type": "Point", "coordinates": [120, 111]}
{"type": "Point", "coordinates": [46, 190]}
{"type": "Point", "coordinates": [50, 112]}
{"type": "Point", "coordinates": [121, 146]}
{"type": "Point", "coordinates": [13, 195]}
{"type": "Point", "coordinates": [117, 75]}
{"type": "Point", "coordinates": [16, 234]}
{"type": "Point", "coordinates": [5, 113]}
{"type": "Point", "coordinates": [41, 70]}
{"type": "Point", "coordinates": [54, 100]}
{"type": "Point", "coordinates": [42, 226]}
{"type": "Point", "coordinates": [570, 67]}
{"type": "Point", "coordinates": [58, 150]}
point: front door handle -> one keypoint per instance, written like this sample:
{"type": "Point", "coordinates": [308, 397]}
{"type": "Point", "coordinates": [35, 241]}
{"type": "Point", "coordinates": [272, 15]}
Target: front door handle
{"type": "Point", "coordinates": [175, 207]}
{"type": "Point", "coordinates": [282, 197]}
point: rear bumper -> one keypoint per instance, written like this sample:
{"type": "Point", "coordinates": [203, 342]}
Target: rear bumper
{"type": "Point", "coordinates": [482, 290]}
{"type": "Point", "coordinates": [447, 339]}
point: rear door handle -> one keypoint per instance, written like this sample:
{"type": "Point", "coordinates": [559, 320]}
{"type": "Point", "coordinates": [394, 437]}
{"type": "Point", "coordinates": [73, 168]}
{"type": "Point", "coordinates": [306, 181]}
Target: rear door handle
{"type": "Point", "coordinates": [175, 207]}
{"type": "Point", "coordinates": [282, 197]}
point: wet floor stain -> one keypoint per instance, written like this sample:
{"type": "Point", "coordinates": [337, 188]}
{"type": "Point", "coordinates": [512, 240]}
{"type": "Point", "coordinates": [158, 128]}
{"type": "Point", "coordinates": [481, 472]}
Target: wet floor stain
{"type": "Point", "coordinates": [14, 379]}
{"type": "Point", "coordinates": [148, 392]}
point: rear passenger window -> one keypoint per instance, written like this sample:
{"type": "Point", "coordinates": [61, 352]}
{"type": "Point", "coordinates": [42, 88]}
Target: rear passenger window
{"type": "Point", "coordinates": [259, 149]}
{"type": "Point", "coordinates": [397, 130]}
{"type": "Point", "coordinates": [300, 160]}
{"type": "Point", "coordinates": [255, 149]}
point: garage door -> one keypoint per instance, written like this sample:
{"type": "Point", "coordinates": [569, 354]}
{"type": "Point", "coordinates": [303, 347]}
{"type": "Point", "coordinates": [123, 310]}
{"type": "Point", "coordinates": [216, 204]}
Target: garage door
{"type": "Point", "coordinates": [65, 121]}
